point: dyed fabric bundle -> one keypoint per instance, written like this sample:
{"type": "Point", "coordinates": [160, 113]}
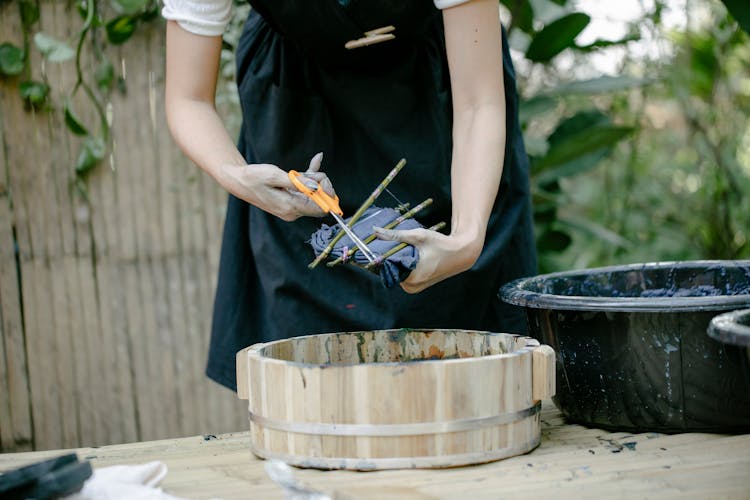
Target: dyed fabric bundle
{"type": "Point", "coordinates": [392, 270]}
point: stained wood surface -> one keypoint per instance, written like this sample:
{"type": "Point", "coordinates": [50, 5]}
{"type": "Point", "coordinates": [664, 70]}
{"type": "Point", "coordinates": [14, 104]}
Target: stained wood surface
{"type": "Point", "coordinates": [104, 306]}
{"type": "Point", "coordinates": [571, 462]}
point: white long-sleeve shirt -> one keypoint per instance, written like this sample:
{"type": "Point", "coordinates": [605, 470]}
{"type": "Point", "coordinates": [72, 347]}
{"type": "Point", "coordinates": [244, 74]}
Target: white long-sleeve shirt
{"type": "Point", "coordinates": [210, 17]}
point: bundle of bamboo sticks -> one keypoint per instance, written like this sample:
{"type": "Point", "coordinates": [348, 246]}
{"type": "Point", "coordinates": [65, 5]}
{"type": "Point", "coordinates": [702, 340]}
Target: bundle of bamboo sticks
{"type": "Point", "coordinates": [358, 214]}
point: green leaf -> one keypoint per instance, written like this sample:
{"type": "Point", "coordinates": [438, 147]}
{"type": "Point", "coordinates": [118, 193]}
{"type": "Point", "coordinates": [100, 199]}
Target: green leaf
{"type": "Point", "coordinates": [151, 12]}
{"type": "Point", "coordinates": [105, 75]}
{"type": "Point", "coordinates": [536, 106]}
{"type": "Point", "coordinates": [120, 29]}
{"type": "Point", "coordinates": [522, 14]}
{"type": "Point", "coordinates": [52, 49]}
{"type": "Point", "coordinates": [11, 59]}
{"type": "Point", "coordinates": [29, 12]}
{"type": "Point", "coordinates": [573, 167]}
{"type": "Point", "coordinates": [80, 185]}
{"type": "Point", "coordinates": [130, 7]}
{"type": "Point", "coordinates": [704, 65]}
{"type": "Point", "coordinates": [580, 135]}
{"type": "Point", "coordinates": [600, 43]}
{"type": "Point", "coordinates": [82, 8]}
{"type": "Point", "coordinates": [546, 214]}
{"type": "Point", "coordinates": [535, 145]}
{"type": "Point", "coordinates": [549, 189]}
{"type": "Point", "coordinates": [556, 37]}
{"type": "Point", "coordinates": [740, 11]}
{"type": "Point", "coordinates": [91, 153]}
{"type": "Point", "coordinates": [34, 93]}
{"type": "Point", "coordinates": [583, 143]}
{"type": "Point", "coordinates": [579, 122]}
{"type": "Point", "coordinates": [600, 85]}
{"type": "Point", "coordinates": [73, 122]}
{"type": "Point", "coordinates": [554, 240]}
{"type": "Point", "coordinates": [606, 235]}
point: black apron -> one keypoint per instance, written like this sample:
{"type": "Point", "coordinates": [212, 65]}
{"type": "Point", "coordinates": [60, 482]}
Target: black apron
{"type": "Point", "coordinates": [302, 92]}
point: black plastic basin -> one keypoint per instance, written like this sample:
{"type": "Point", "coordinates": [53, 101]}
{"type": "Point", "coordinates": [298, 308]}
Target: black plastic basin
{"type": "Point", "coordinates": [631, 343]}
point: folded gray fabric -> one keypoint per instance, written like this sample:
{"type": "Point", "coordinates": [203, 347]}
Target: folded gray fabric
{"type": "Point", "coordinates": [392, 270]}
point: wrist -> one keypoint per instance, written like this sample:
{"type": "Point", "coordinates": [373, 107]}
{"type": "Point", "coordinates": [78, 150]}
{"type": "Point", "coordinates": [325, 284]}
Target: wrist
{"type": "Point", "coordinates": [469, 240]}
{"type": "Point", "coordinates": [469, 220]}
{"type": "Point", "coordinates": [232, 177]}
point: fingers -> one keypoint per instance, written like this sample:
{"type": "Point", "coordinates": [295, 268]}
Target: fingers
{"type": "Point", "coordinates": [323, 180]}
{"type": "Point", "coordinates": [293, 205]}
{"type": "Point", "coordinates": [313, 172]}
{"type": "Point", "coordinates": [289, 202]}
{"type": "Point", "coordinates": [315, 163]}
{"type": "Point", "coordinates": [304, 206]}
{"type": "Point", "coordinates": [273, 176]}
{"type": "Point", "coordinates": [414, 237]}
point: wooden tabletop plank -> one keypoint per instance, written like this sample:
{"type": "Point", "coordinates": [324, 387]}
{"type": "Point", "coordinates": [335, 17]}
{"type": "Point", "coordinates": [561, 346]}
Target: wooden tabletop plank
{"type": "Point", "coordinates": [571, 461]}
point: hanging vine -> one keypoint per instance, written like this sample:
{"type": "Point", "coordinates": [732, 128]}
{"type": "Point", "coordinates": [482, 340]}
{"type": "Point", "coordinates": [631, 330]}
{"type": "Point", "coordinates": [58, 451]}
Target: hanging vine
{"type": "Point", "coordinates": [113, 23]}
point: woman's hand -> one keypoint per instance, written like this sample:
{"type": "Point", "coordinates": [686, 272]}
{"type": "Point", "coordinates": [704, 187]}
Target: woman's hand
{"type": "Point", "coordinates": [440, 256]}
{"type": "Point", "coordinates": [268, 187]}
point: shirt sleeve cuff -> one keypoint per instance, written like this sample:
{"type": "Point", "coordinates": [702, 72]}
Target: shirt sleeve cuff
{"type": "Point", "coordinates": [444, 4]}
{"type": "Point", "coordinates": [208, 19]}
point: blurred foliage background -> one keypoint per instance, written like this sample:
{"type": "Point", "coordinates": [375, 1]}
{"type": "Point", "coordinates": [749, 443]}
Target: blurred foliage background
{"type": "Point", "coordinates": [651, 161]}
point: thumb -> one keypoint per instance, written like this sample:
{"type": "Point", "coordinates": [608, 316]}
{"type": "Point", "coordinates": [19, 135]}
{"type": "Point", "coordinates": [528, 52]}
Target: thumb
{"type": "Point", "coordinates": [315, 163]}
{"type": "Point", "coordinates": [412, 237]}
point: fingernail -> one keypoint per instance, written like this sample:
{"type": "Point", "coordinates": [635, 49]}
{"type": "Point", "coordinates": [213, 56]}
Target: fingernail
{"type": "Point", "coordinates": [381, 233]}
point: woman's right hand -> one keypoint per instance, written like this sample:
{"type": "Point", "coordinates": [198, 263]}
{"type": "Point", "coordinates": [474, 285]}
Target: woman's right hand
{"type": "Point", "coordinates": [269, 188]}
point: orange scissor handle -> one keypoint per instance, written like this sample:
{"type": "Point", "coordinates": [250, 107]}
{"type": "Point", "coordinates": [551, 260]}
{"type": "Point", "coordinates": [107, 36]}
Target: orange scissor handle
{"type": "Point", "coordinates": [320, 197]}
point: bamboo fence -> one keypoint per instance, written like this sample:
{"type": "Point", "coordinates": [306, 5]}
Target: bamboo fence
{"type": "Point", "coordinates": [104, 305]}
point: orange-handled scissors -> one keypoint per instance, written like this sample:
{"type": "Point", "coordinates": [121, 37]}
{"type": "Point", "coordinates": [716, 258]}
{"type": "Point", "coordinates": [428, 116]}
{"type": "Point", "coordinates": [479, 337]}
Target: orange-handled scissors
{"type": "Point", "coordinates": [330, 205]}
{"type": "Point", "coordinates": [313, 190]}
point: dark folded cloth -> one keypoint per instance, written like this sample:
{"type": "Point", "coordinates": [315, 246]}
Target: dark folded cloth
{"type": "Point", "coordinates": [47, 479]}
{"type": "Point", "coordinates": [392, 270]}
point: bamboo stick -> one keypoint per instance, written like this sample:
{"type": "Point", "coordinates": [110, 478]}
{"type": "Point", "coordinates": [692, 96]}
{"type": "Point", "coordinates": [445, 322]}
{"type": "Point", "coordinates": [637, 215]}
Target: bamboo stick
{"type": "Point", "coordinates": [354, 218]}
{"type": "Point", "coordinates": [385, 255]}
{"type": "Point", "coordinates": [403, 208]}
{"type": "Point", "coordinates": [395, 222]}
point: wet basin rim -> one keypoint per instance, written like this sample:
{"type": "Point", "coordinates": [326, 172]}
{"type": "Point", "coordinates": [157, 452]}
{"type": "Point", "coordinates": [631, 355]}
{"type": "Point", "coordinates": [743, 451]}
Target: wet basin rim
{"type": "Point", "coordinates": [514, 292]}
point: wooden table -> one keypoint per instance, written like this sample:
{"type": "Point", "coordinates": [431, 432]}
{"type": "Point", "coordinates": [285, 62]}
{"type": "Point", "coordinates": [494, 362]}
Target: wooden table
{"type": "Point", "coordinates": [572, 461]}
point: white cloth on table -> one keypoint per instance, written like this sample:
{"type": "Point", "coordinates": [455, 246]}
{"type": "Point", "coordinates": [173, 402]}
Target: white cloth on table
{"type": "Point", "coordinates": [210, 17]}
{"type": "Point", "coordinates": [125, 482]}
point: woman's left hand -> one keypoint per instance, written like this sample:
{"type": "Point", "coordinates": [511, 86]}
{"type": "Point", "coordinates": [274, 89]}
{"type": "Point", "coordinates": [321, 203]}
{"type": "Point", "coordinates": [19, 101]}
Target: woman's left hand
{"type": "Point", "coordinates": [440, 256]}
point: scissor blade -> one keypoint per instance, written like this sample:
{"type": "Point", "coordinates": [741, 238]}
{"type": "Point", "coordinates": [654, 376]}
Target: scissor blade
{"type": "Point", "coordinates": [360, 244]}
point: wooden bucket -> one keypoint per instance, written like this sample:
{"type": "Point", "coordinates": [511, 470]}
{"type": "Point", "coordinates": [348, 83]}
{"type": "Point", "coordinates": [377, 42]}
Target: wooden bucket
{"type": "Point", "coordinates": [392, 399]}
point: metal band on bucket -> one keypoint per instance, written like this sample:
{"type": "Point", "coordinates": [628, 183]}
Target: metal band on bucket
{"type": "Point", "coordinates": [466, 424]}
{"type": "Point", "coordinates": [358, 463]}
